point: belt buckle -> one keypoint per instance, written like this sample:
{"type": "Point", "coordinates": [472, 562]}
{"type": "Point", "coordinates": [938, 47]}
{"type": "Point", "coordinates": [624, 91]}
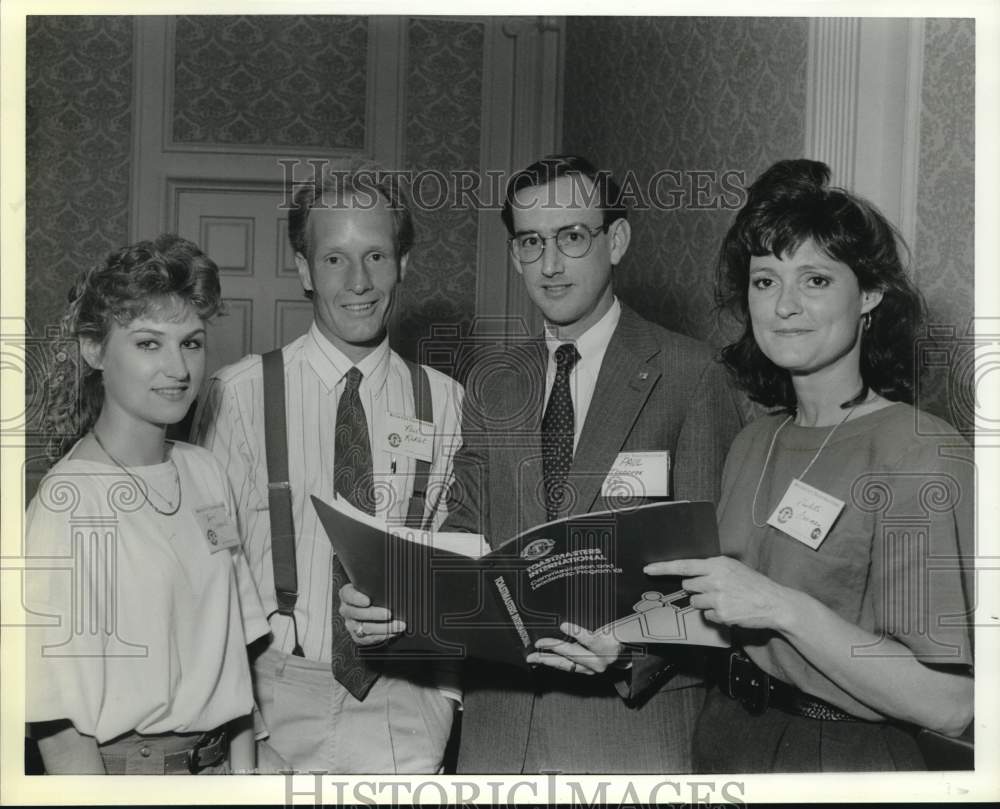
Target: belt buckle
{"type": "Point", "coordinates": [748, 684]}
{"type": "Point", "coordinates": [194, 765]}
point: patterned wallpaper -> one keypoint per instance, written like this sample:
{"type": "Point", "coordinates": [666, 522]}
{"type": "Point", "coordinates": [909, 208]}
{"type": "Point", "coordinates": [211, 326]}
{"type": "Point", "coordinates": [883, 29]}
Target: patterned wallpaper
{"type": "Point", "coordinates": [442, 133]}
{"type": "Point", "coordinates": [274, 81]}
{"type": "Point", "coordinates": [78, 132]}
{"type": "Point", "coordinates": [78, 140]}
{"type": "Point", "coordinates": [687, 95]}
{"type": "Point", "coordinates": [943, 256]}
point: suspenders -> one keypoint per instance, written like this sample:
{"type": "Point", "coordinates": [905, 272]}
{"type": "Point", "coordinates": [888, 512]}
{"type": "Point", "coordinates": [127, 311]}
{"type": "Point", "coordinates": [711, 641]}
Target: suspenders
{"type": "Point", "coordinates": [423, 409]}
{"type": "Point", "coordinates": [279, 491]}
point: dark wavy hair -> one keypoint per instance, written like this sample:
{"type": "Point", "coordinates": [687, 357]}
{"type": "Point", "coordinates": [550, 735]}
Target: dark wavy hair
{"type": "Point", "coordinates": [789, 203]}
{"type": "Point", "coordinates": [366, 181]}
{"type": "Point", "coordinates": [551, 168]}
{"type": "Point", "coordinates": [129, 283]}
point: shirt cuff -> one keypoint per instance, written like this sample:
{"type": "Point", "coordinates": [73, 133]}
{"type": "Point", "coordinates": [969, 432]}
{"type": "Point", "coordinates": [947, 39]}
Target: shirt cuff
{"type": "Point", "coordinates": [452, 694]}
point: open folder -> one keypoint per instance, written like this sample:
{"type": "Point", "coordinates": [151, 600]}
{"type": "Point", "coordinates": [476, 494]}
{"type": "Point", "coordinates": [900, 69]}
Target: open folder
{"type": "Point", "coordinates": [459, 599]}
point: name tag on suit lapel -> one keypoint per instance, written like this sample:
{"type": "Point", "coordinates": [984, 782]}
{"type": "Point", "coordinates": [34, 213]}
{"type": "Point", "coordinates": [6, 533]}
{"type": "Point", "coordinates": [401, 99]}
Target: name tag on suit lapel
{"type": "Point", "coordinates": [639, 474]}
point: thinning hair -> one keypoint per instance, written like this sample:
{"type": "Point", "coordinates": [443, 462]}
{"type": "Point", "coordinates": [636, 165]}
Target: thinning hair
{"type": "Point", "coordinates": [340, 182]}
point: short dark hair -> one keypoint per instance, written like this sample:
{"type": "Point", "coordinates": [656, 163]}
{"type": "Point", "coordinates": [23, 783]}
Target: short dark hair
{"type": "Point", "coordinates": [338, 180]}
{"type": "Point", "coordinates": [789, 203]}
{"type": "Point", "coordinates": [131, 282]}
{"type": "Point", "coordinates": [550, 169]}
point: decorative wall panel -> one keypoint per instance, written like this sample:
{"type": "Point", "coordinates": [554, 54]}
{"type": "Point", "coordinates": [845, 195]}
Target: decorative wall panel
{"type": "Point", "coordinates": [292, 319]}
{"type": "Point", "coordinates": [285, 263]}
{"type": "Point", "coordinates": [231, 335]}
{"type": "Point", "coordinates": [444, 100]}
{"type": "Point", "coordinates": [229, 241]}
{"type": "Point", "coordinates": [687, 95]}
{"type": "Point", "coordinates": [78, 142]}
{"type": "Point", "coordinates": [943, 256]}
{"type": "Point", "coordinates": [270, 81]}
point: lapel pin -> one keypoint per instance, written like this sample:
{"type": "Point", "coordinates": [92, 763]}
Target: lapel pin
{"type": "Point", "coordinates": [643, 375]}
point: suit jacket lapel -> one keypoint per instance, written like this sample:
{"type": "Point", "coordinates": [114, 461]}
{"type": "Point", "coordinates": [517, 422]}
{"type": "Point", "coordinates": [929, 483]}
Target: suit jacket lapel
{"type": "Point", "coordinates": [527, 395]}
{"type": "Point", "coordinates": [624, 383]}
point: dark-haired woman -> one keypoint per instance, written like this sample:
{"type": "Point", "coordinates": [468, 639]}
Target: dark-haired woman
{"type": "Point", "coordinates": [846, 516]}
{"type": "Point", "coordinates": [141, 666]}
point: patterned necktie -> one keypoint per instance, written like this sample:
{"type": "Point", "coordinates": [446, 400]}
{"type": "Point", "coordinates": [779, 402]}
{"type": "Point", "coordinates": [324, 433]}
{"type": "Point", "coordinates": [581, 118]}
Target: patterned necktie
{"type": "Point", "coordinates": [352, 480]}
{"type": "Point", "coordinates": [557, 434]}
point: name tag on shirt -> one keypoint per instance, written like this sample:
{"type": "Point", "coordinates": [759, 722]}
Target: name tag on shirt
{"type": "Point", "coordinates": [639, 474]}
{"type": "Point", "coordinates": [806, 513]}
{"type": "Point", "coordinates": [219, 531]}
{"type": "Point", "coordinates": [408, 436]}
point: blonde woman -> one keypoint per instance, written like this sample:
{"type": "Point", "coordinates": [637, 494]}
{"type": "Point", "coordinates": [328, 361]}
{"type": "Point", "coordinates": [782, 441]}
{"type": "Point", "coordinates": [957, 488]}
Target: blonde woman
{"type": "Point", "coordinates": [138, 663]}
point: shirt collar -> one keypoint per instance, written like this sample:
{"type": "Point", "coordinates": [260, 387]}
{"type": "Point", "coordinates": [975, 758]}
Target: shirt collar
{"type": "Point", "coordinates": [594, 340]}
{"type": "Point", "coordinates": [331, 365]}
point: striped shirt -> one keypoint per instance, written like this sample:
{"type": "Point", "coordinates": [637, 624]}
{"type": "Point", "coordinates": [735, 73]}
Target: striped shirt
{"type": "Point", "coordinates": [230, 423]}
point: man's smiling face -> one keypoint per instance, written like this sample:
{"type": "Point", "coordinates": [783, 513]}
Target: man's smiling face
{"type": "Point", "coordinates": [352, 271]}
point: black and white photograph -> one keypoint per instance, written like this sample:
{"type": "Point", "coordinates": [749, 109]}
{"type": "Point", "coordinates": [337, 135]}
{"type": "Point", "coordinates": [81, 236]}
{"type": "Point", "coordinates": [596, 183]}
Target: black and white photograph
{"type": "Point", "coordinates": [427, 404]}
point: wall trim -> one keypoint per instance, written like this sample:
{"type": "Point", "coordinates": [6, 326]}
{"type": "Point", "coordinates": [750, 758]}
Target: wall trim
{"type": "Point", "coordinates": [832, 94]}
{"type": "Point", "coordinates": [910, 152]}
{"type": "Point", "coordinates": [870, 140]}
{"type": "Point", "coordinates": [175, 186]}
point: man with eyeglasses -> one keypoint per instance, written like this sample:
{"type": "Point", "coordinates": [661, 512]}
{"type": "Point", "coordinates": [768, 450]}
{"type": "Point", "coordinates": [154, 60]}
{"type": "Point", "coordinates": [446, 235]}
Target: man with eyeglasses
{"type": "Point", "coordinates": [542, 428]}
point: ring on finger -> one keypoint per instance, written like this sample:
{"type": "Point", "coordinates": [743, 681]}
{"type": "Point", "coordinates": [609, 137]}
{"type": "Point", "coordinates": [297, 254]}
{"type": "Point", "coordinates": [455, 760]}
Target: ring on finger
{"type": "Point", "coordinates": [573, 667]}
{"type": "Point", "coordinates": [360, 631]}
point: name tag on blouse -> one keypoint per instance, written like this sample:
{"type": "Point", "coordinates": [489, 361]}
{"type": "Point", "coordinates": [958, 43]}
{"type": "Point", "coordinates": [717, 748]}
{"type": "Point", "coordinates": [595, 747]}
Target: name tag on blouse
{"type": "Point", "coordinates": [408, 436]}
{"type": "Point", "coordinates": [806, 513]}
{"type": "Point", "coordinates": [639, 474]}
{"type": "Point", "coordinates": [219, 531]}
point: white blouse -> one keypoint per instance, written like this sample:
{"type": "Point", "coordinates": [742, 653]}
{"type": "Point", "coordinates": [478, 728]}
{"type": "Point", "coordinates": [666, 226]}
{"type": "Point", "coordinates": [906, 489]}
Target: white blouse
{"type": "Point", "coordinates": [140, 621]}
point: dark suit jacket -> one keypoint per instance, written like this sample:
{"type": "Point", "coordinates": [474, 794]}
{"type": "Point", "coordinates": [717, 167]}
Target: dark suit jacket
{"type": "Point", "coordinates": [656, 390]}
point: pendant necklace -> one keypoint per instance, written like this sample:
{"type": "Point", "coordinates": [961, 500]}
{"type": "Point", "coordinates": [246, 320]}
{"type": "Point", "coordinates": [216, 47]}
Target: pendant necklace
{"type": "Point", "coordinates": [142, 485]}
{"type": "Point", "coordinates": [767, 460]}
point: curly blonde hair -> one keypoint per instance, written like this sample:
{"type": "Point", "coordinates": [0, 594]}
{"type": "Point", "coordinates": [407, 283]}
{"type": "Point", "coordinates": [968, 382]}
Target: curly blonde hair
{"type": "Point", "coordinates": [129, 283]}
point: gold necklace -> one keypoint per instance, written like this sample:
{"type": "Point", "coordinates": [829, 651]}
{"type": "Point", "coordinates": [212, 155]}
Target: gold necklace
{"type": "Point", "coordinates": [142, 485]}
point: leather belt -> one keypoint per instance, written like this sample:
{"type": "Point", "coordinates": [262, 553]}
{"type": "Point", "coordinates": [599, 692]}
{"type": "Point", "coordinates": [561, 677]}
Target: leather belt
{"type": "Point", "coordinates": [742, 679]}
{"type": "Point", "coordinates": [207, 750]}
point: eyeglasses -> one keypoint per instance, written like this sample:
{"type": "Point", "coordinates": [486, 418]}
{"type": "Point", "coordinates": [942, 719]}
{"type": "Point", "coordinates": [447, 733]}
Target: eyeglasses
{"type": "Point", "coordinates": [573, 241]}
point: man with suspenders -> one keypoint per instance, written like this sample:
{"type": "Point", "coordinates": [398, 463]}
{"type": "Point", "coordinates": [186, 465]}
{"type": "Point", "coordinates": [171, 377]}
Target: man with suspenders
{"type": "Point", "coordinates": [316, 418]}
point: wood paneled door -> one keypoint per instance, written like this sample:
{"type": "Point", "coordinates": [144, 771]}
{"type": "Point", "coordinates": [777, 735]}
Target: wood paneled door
{"type": "Point", "coordinates": [230, 109]}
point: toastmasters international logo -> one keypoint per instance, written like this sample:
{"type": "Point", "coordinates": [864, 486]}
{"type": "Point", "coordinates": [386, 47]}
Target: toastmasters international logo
{"type": "Point", "coordinates": [537, 548]}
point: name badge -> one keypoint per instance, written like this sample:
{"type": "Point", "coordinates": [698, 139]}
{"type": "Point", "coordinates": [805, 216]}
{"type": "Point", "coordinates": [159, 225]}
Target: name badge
{"type": "Point", "coordinates": [411, 437]}
{"type": "Point", "coordinates": [806, 513]}
{"type": "Point", "coordinates": [219, 531]}
{"type": "Point", "coordinates": [639, 474]}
